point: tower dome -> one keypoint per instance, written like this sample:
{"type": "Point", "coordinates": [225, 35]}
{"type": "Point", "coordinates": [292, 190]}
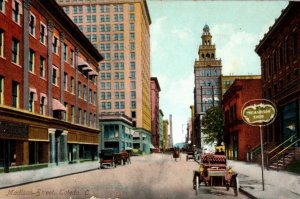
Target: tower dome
{"type": "Point", "coordinates": [206, 28]}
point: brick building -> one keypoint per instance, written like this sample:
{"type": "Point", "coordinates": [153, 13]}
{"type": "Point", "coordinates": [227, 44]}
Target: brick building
{"type": "Point", "coordinates": [48, 90]}
{"type": "Point", "coordinates": [155, 89]}
{"type": "Point", "coordinates": [239, 137]}
{"type": "Point", "coordinates": [280, 65]}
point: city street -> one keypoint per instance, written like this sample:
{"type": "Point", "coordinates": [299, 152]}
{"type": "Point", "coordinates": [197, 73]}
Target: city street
{"type": "Point", "coordinates": [150, 176]}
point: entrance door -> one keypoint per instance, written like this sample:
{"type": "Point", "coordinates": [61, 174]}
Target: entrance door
{"type": "Point", "coordinates": [235, 146]}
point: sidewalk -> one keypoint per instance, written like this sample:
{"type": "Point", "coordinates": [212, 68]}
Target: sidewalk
{"type": "Point", "coordinates": [24, 177]}
{"type": "Point", "coordinates": [278, 184]}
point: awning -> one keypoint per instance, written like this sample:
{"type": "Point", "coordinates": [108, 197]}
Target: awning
{"type": "Point", "coordinates": [57, 105]}
{"type": "Point", "coordinates": [87, 68]}
{"type": "Point", "coordinates": [33, 90]}
{"type": "Point", "coordinates": [81, 62]}
{"type": "Point", "coordinates": [93, 73]}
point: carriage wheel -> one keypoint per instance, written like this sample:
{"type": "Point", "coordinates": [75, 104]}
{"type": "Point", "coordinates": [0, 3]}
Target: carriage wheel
{"type": "Point", "coordinates": [197, 185]}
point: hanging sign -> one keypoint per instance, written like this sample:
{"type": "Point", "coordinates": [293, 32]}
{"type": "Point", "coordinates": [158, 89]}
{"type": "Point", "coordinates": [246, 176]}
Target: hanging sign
{"type": "Point", "coordinates": [258, 112]}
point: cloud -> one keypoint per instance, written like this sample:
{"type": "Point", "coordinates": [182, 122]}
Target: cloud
{"type": "Point", "coordinates": [184, 35]}
{"type": "Point", "coordinates": [237, 51]}
{"type": "Point", "coordinates": [157, 32]}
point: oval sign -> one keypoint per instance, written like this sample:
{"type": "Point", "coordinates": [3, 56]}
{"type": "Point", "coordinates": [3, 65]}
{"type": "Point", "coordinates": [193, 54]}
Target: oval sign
{"type": "Point", "coordinates": [261, 113]}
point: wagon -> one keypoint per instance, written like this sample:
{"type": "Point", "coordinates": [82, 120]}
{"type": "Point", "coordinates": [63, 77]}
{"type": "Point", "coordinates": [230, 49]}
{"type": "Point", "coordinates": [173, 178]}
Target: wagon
{"type": "Point", "coordinates": [213, 171]}
{"type": "Point", "coordinates": [176, 154]}
{"type": "Point", "coordinates": [107, 158]}
{"type": "Point", "coordinates": [190, 154]}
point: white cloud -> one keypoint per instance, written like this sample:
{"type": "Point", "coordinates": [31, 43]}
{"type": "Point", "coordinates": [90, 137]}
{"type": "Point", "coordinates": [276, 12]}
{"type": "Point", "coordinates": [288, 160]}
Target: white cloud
{"type": "Point", "coordinates": [184, 35]}
{"type": "Point", "coordinates": [156, 32]}
{"type": "Point", "coordinates": [237, 49]}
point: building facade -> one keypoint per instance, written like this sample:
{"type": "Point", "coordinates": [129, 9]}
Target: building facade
{"type": "Point", "coordinates": [155, 89]}
{"type": "Point", "coordinates": [119, 29]}
{"type": "Point", "coordinates": [166, 141]}
{"type": "Point", "coordinates": [48, 87]}
{"type": "Point", "coordinates": [239, 137]}
{"type": "Point", "coordinates": [117, 131]}
{"type": "Point", "coordinates": [280, 67]}
{"type": "Point", "coordinates": [227, 80]}
{"type": "Point", "coordinates": [207, 71]}
{"type": "Point", "coordinates": [161, 129]}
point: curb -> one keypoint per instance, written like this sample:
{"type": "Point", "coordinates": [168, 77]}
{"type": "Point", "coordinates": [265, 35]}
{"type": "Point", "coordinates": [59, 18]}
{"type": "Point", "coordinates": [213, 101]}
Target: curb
{"type": "Point", "coordinates": [247, 193]}
{"type": "Point", "coordinates": [49, 178]}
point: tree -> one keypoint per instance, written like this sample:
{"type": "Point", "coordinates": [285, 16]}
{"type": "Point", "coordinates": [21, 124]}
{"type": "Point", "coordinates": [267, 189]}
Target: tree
{"type": "Point", "coordinates": [212, 124]}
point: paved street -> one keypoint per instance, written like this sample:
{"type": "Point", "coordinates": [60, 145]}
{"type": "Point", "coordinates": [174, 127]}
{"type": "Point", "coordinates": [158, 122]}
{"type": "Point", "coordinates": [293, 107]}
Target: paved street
{"type": "Point", "coordinates": [137, 180]}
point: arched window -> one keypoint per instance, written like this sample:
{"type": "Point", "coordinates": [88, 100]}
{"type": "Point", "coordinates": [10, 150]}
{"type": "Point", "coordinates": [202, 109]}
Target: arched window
{"type": "Point", "coordinates": [212, 55]}
{"type": "Point", "coordinates": [207, 55]}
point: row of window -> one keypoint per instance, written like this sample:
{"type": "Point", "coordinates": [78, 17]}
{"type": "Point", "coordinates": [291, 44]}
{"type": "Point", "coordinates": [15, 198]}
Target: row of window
{"type": "Point", "coordinates": [107, 56]}
{"type": "Point", "coordinates": [118, 85]}
{"type": "Point", "coordinates": [118, 95]}
{"type": "Point", "coordinates": [117, 66]}
{"type": "Point", "coordinates": [106, 28]}
{"type": "Point", "coordinates": [281, 55]}
{"type": "Point", "coordinates": [116, 46]}
{"type": "Point", "coordinates": [93, 8]}
{"type": "Point", "coordinates": [118, 105]}
{"type": "Point", "coordinates": [103, 18]}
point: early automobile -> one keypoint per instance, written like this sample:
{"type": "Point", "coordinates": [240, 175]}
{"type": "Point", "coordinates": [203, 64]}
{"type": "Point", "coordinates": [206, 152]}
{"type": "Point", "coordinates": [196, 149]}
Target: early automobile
{"type": "Point", "coordinates": [213, 171]}
{"type": "Point", "coordinates": [107, 158]}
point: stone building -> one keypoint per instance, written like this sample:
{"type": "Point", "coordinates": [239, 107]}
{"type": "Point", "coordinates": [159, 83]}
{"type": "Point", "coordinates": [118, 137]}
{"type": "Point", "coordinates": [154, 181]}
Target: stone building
{"type": "Point", "coordinates": [155, 89]}
{"type": "Point", "coordinates": [207, 91]}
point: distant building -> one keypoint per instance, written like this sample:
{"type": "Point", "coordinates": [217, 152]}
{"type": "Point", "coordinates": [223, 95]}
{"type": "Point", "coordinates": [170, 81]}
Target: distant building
{"type": "Point", "coordinates": [161, 129]}
{"type": "Point", "coordinates": [280, 67]}
{"type": "Point", "coordinates": [227, 80]}
{"type": "Point", "coordinates": [207, 92]}
{"type": "Point", "coordinates": [166, 127]}
{"type": "Point", "coordinates": [155, 89]}
{"type": "Point", "coordinates": [239, 137]}
{"type": "Point", "coordinates": [48, 90]}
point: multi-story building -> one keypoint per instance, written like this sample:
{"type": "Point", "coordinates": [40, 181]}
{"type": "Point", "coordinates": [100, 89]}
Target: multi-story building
{"type": "Point", "coordinates": [280, 67]}
{"type": "Point", "coordinates": [161, 129]}
{"type": "Point", "coordinates": [239, 137]}
{"type": "Point", "coordinates": [207, 71]}
{"type": "Point", "coordinates": [227, 81]}
{"type": "Point", "coordinates": [118, 133]}
{"type": "Point", "coordinates": [119, 29]}
{"type": "Point", "coordinates": [166, 142]}
{"type": "Point", "coordinates": [48, 90]}
{"type": "Point", "coordinates": [155, 89]}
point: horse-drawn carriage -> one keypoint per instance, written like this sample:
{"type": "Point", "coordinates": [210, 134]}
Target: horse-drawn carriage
{"type": "Point", "coordinates": [176, 154]}
{"type": "Point", "coordinates": [213, 171]}
{"type": "Point", "coordinates": [122, 158]}
{"type": "Point", "coordinates": [190, 154]}
{"type": "Point", "coordinates": [111, 159]}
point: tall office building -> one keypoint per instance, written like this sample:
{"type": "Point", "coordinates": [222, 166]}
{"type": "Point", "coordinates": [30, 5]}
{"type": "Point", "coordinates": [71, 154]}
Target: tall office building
{"type": "Point", "coordinates": [207, 71]}
{"type": "Point", "coordinates": [119, 29]}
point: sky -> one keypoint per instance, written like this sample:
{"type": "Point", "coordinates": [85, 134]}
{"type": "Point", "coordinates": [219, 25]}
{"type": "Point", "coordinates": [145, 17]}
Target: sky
{"type": "Point", "coordinates": [175, 35]}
